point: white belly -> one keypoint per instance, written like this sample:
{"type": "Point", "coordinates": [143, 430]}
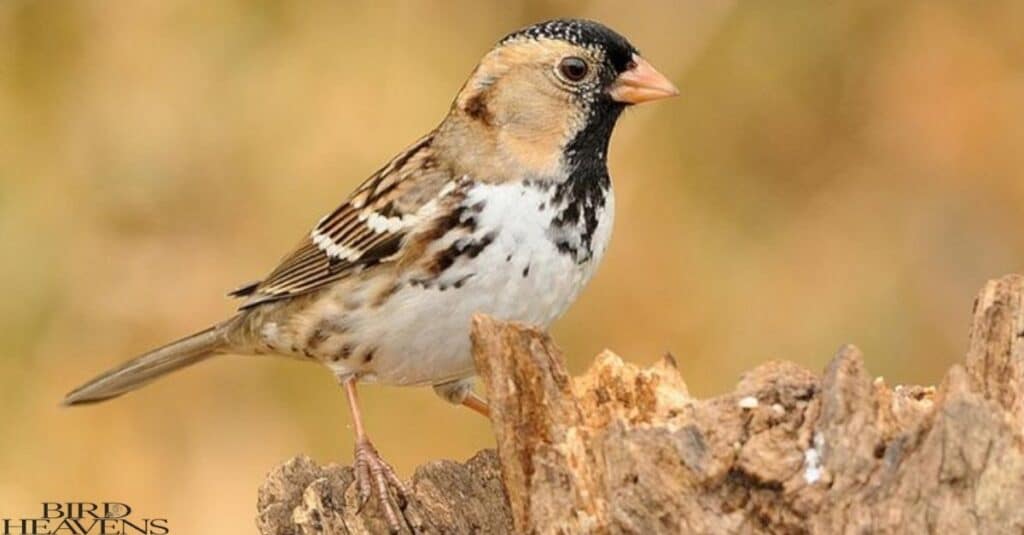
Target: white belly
{"type": "Point", "coordinates": [422, 333]}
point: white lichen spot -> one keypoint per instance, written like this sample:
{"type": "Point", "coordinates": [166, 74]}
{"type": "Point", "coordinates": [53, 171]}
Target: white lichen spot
{"type": "Point", "coordinates": [812, 460]}
{"type": "Point", "coordinates": [778, 409]}
{"type": "Point", "coordinates": [749, 402]}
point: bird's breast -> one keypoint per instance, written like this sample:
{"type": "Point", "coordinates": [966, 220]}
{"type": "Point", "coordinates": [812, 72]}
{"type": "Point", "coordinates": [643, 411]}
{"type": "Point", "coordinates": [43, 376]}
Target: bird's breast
{"type": "Point", "coordinates": [522, 251]}
{"type": "Point", "coordinates": [540, 243]}
{"type": "Point", "coordinates": [511, 254]}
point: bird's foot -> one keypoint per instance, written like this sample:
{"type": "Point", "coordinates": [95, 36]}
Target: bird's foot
{"type": "Point", "coordinates": [376, 477]}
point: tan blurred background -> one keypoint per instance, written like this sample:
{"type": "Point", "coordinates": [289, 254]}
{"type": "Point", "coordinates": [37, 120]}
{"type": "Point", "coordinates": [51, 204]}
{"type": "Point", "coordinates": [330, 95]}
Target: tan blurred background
{"type": "Point", "coordinates": [834, 172]}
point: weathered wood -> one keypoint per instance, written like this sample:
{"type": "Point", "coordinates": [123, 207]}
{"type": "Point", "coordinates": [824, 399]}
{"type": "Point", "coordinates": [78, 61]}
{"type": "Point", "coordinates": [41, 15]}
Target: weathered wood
{"type": "Point", "coordinates": [995, 357]}
{"type": "Point", "coordinates": [624, 449]}
{"type": "Point", "coordinates": [302, 498]}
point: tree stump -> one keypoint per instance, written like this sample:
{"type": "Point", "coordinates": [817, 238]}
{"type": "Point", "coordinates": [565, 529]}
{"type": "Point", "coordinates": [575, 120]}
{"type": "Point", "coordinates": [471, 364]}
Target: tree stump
{"type": "Point", "coordinates": [625, 449]}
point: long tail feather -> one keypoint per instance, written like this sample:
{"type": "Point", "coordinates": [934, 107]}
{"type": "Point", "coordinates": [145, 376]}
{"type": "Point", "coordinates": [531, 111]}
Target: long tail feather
{"type": "Point", "coordinates": [149, 366]}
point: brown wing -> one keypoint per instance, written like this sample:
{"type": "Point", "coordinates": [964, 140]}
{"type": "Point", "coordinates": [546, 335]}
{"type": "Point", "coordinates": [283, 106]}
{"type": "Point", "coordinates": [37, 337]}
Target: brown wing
{"type": "Point", "coordinates": [365, 230]}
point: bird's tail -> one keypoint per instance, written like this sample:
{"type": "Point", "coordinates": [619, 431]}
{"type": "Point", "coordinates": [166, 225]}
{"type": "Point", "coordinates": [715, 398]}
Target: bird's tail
{"type": "Point", "coordinates": [141, 370]}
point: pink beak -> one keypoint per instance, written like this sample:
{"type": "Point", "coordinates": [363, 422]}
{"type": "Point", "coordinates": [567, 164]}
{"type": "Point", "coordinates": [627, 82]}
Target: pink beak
{"type": "Point", "coordinates": [642, 83]}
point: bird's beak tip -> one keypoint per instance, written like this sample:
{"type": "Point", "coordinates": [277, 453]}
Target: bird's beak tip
{"type": "Point", "coordinates": [641, 83]}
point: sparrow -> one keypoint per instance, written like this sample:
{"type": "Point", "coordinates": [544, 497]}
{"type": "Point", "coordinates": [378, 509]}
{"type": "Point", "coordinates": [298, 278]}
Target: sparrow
{"type": "Point", "coordinates": [505, 208]}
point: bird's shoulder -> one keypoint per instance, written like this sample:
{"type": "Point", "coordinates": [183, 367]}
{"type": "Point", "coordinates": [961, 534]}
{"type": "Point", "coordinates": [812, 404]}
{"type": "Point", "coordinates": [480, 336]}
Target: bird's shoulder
{"type": "Point", "coordinates": [370, 227]}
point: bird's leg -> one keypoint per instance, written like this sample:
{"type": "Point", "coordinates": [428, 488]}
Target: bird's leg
{"type": "Point", "coordinates": [373, 475]}
{"type": "Point", "coordinates": [460, 392]}
{"type": "Point", "coordinates": [477, 404]}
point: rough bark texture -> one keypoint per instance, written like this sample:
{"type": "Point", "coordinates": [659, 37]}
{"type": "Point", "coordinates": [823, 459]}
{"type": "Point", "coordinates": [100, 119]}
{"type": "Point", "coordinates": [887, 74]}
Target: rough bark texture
{"type": "Point", "coordinates": [302, 498]}
{"type": "Point", "coordinates": [625, 449]}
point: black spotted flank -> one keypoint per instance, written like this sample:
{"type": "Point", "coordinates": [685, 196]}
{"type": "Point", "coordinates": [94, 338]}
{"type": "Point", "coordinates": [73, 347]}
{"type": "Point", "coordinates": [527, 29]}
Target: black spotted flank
{"type": "Point", "coordinates": [470, 248]}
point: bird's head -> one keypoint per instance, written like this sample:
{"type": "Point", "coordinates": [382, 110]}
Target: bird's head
{"type": "Point", "coordinates": [549, 90]}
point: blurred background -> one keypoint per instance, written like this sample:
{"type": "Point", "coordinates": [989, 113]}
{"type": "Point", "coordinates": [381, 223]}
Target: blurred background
{"type": "Point", "coordinates": [834, 172]}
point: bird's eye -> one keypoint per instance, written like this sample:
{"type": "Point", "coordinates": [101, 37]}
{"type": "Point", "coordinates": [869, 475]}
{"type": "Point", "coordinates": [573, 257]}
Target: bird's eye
{"type": "Point", "coordinates": [573, 69]}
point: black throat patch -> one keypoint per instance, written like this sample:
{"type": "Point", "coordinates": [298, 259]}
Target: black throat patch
{"type": "Point", "coordinates": [582, 195]}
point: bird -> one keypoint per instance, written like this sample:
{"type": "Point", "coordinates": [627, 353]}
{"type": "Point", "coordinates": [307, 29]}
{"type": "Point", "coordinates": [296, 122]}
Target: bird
{"type": "Point", "coordinates": [505, 208]}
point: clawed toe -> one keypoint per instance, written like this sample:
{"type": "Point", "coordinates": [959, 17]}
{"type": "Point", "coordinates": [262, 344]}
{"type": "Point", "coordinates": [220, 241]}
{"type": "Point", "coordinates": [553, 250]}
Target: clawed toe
{"type": "Point", "coordinates": [375, 477]}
